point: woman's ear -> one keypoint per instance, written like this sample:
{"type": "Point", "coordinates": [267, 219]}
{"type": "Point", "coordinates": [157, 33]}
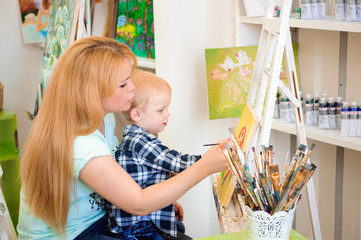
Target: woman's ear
{"type": "Point", "coordinates": [135, 115]}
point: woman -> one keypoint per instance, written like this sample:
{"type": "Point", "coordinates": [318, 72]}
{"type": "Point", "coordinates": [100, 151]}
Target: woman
{"type": "Point", "coordinates": [67, 168]}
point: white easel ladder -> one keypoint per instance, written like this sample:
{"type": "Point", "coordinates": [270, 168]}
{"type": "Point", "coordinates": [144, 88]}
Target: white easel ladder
{"type": "Point", "coordinates": [275, 40]}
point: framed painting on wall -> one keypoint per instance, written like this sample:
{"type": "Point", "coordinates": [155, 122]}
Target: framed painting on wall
{"type": "Point", "coordinates": [135, 28]}
{"type": "Point", "coordinates": [34, 20]}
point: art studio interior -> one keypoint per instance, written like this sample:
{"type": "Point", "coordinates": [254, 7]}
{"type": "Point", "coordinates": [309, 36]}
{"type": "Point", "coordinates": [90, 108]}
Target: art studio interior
{"type": "Point", "coordinates": [278, 80]}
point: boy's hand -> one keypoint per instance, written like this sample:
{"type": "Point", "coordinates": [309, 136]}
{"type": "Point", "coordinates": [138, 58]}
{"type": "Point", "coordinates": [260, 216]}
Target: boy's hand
{"type": "Point", "coordinates": [178, 209]}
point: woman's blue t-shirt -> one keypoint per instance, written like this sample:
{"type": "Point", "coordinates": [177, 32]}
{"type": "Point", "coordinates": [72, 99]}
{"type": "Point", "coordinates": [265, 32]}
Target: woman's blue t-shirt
{"type": "Point", "coordinates": [89, 206]}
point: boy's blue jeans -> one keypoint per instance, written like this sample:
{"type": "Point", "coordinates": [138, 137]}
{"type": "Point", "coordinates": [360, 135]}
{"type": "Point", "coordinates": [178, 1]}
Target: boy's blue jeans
{"type": "Point", "coordinates": [146, 230]}
{"type": "Point", "coordinates": [142, 230]}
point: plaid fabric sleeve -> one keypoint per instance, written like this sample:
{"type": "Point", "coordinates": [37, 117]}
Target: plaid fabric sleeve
{"type": "Point", "coordinates": [157, 155]}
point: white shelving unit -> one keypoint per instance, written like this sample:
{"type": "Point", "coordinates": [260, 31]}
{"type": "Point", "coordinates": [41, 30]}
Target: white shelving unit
{"type": "Point", "coordinates": [327, 136]}
{"type": "Point", "coordinates": [247, 29]}
{"type": "Point", "coordinates": [327, 24]}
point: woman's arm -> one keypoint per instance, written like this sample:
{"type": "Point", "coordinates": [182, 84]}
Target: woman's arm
{"type": "Point", "coordinates": [111, 181]}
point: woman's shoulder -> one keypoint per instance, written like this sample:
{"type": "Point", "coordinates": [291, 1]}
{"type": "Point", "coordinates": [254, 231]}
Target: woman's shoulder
{"type": "Point", "coordinates": [109, 119]}
{"type": "Point", "coordinates": [86, 141]}
{"type": "Point", "coordinates": [89, 146]}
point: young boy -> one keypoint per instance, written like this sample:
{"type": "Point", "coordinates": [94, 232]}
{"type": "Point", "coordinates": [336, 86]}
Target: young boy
{"type": "Point", "coordinates": [145, 158]}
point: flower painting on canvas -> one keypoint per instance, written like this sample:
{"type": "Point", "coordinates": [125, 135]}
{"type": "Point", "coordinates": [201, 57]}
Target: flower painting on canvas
{"type": "Point", "coordinates": [229, 75]}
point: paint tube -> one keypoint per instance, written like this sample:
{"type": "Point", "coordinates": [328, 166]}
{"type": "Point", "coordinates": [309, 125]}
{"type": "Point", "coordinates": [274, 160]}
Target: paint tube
{"type": "Point", "coordinates": [322, 12]}
{"type": "Point", "coordinates": [359, 120]}
{"type": "Point", "coordinates": [331, 112]}
{"type": "Point", "coordinates": [306, 11]}
{"type": "Point", "coordinates": [309, 110]}
{"type": "Point", "coordinates": [345, 119]}
{"type": "Point", "coordinates": [350, 10]}
{"type": "Point", "coordinates": [316, 103]}
{"type": "Point", "coordinates": [338, 105]}
{"type": "Point", "coordinates": [314, 9]}
{"type": "Point", "coordinates": [352, 132]}
{"type": "Point", "coordinates": [340, 11]}
{"type": "Point", "coordinates": [323, 116]}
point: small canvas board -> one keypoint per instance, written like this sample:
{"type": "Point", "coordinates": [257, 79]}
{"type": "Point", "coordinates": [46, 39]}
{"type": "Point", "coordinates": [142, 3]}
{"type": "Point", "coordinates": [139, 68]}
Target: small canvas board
{"type": "Point", "coordinates": [247, 128]}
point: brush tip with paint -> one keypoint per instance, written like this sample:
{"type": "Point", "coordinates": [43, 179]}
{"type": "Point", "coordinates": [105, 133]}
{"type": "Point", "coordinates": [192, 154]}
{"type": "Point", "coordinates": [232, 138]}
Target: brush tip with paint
{"type": "Point", "coordinates": [313, 166]}
{"type": "Point", "coordinates": [302, 147]}
{"type": "Point", "coordinates": [312, 146]}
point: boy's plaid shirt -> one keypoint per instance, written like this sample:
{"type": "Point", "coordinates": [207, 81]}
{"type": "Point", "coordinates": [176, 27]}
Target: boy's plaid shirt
{"type": "Point", "coordinates": [148, 162]}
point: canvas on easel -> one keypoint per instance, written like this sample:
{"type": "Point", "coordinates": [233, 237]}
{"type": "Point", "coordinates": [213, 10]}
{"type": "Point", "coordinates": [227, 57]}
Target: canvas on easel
{"type": "Point", "coordinates": [247, 128]}
{"type": "Point", "coordinates": [69, 20]}
{"type": "Point", "coordinates": [61, 32]}
{"type": "Point", "coordinates": [225, 184]}
{"type": "Point", "coordinates": [245, 133]}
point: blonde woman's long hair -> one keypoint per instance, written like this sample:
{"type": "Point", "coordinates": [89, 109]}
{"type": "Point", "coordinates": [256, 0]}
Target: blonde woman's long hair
{"type": "Point", "coordinates": [86, 73]}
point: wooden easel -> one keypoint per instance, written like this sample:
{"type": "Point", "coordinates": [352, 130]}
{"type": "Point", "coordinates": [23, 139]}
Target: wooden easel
{"type": "Point", "coordinates": [275, 40]}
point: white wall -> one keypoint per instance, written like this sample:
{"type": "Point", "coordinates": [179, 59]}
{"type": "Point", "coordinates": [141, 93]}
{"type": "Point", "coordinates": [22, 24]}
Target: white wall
{"type": "Point", "coordinates": [183, 30]}
{"type": "Point", "coordinates": [19, 67]}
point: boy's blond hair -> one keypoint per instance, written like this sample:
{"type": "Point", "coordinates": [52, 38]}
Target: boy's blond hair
{"type": "Point", "coordinates": [146, 84]}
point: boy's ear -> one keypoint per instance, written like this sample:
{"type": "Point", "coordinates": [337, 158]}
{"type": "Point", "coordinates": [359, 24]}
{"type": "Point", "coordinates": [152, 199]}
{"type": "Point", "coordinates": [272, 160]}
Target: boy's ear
{"type": "Point", "coordinates": [135, 114]}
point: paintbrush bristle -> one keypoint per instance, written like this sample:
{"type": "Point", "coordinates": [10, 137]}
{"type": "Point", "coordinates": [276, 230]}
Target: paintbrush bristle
{"type": "Point", "coordinates": [312, 146]}
{"type": "Point", "coordinates": [302, 147]}
{"type": "Point", "coordinates": [313, 166]}
{"type": "Point", "coordinates": [231, 130]}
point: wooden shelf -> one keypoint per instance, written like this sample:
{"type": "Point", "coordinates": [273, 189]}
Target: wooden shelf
{"type": "Point", "coordinates": [322, 135]}
{"type": "Point", "coordinates": [323, 24]}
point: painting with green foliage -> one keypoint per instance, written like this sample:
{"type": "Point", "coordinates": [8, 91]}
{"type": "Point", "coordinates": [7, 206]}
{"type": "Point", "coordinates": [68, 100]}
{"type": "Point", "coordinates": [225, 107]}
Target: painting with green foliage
{"type": "Point", "coordinates": [135, 26]}
{"type": "Point", "coordinates": [229, 75]}
{"type": "Point", "coordinates": [57, 40]}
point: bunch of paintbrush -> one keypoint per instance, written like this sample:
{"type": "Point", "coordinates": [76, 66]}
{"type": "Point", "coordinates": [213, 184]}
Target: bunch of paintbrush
{"type": "Point", "coordinates": [295, 177]}
{"type": "Point", "coordinates": [264, 191]}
